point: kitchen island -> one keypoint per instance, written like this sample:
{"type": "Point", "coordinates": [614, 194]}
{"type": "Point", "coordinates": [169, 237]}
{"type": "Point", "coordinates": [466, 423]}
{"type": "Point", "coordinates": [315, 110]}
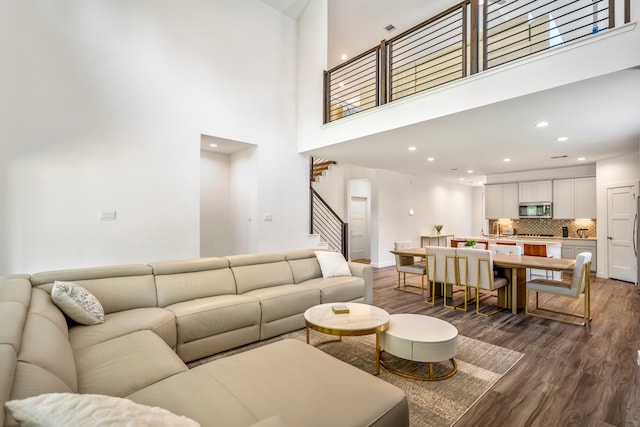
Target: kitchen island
{"type": "Point", "coordinates": [553, 244]}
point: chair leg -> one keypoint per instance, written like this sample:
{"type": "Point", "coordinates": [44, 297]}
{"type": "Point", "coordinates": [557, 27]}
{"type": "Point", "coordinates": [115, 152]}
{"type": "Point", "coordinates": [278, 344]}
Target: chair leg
{"type": "Point", "coordinates": [585, 316]}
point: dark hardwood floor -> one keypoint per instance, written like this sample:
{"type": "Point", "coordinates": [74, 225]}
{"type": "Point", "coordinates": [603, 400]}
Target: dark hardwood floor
{"type": "Point", "coordinates": [570, 375]}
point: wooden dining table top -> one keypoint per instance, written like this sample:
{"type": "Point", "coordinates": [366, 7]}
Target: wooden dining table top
{"type": "Point", "coordinates": [509, 261]}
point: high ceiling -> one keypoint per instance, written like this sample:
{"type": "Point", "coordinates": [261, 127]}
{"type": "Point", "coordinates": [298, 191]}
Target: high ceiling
{"type": "Point", "coordinates": [600, 116]}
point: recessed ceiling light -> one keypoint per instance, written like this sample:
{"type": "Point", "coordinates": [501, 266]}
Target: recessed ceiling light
{"type": "Point", "coordinates": [542, 124]}
{"type": "Point", "coordinates": [213, 145]}
{"type": "Point", "coordinates": [507, 160]}
{"type": "Point", "coordinates": [344, 57]}
{"type": "Point", "coordinates": [412, 148]}
{"type": "Point", "coordinates": [580, 159]}
{"type": "Point", "coordinates": [430, 159]}
{"type": "Point", "coordinates": [470, 171]}
{"type": "Point", "coordinates": [562, 139]}
{"type": "Point", "coordinates": [461, 179]}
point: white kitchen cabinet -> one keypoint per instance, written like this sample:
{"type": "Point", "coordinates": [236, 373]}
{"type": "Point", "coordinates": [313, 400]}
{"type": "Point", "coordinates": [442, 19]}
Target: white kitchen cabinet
{"type": "Point", "coordinates": [572, 247]}
{"type": "Point", "coordinates": [535, 191]}
{"type": "Point", "coordinates": [585, 198]}
{"type": "Point", "coordinates": [574, 198]}
{"type": "Point", "coordinates": [501, 201]}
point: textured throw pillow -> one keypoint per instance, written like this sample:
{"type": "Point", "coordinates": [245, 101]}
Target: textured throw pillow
{"type": "Point", "coordinates": [332, 264]}
{"type": "Point", "coordinates": [77, 303]}
{"type": "Point", "coordinates": [70, 409]}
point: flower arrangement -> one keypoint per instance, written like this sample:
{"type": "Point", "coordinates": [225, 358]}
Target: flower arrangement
{"type": "Point", "coordinates": [438, 228]}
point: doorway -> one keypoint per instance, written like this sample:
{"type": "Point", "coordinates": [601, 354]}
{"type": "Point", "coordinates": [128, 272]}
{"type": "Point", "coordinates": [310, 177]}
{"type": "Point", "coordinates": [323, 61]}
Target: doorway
{"type": "Point", "coordinates": [621, 240]}
{"type": "Point", "coordinates": [359, 220]}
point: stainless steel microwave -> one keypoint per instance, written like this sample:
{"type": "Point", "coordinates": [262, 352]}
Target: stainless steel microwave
{"type": "Point", "coordinates": [535, 210]}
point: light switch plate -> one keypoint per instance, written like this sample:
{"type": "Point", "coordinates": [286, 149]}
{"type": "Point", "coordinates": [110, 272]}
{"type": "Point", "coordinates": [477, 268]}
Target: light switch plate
{"type": "Point", "coordinates": [107, 215]}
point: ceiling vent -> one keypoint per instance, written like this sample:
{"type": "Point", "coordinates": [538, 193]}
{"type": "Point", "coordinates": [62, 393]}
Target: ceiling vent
{"type": "Point", "coordinates": [390, 27]}
{"type": "Point", "coordinates": [559, 157]}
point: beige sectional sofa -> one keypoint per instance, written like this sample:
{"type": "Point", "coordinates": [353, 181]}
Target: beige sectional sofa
{"type": "Point", "coordinates": [160, 316]}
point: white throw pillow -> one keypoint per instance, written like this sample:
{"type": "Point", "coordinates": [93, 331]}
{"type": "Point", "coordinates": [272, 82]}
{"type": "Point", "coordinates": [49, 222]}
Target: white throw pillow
{"type": "Point", "coordinates": [70, 409]}
{"type": "Point", "coordinates": [77, 303]}
{"type": "Point", "coordinates": [332, 264]}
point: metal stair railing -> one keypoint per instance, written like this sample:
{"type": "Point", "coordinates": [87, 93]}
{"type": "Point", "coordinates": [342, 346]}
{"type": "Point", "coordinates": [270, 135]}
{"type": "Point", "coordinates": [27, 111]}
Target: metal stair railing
{"type": "Point", "coordinates": [328, 224]}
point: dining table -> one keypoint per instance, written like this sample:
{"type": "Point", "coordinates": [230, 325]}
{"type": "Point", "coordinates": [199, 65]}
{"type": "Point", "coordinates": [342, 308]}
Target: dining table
{"type": "Point", "coordinates": [515, 266]}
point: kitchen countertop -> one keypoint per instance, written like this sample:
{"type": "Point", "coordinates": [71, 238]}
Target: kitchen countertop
{"type": "Point", "coordinates": [550, 239]}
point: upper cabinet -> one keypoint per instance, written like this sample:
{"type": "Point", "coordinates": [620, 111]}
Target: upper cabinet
{"type": "Point", "coordinates": [585, 198]}
{"type": "Point", "coordinates": [574, 198]}
{"type": "Point", "coordinates": [535, 191]}
{"type": "Point", "coordinates": [501, 201]}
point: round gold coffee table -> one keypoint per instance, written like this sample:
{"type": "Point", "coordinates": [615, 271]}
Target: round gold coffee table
{"type": "Point", "coordinates": [362, 319]}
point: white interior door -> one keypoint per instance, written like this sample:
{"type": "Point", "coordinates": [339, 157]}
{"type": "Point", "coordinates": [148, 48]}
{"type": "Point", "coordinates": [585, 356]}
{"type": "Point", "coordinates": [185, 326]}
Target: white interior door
{"type": "Point", "coordinates": [358, 228]}
{"type": "Point", "coordinates": [621, 210]}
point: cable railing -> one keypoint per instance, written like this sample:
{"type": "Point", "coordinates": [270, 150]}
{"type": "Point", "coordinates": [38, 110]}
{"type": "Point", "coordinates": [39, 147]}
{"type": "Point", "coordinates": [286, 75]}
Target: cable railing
{"type": "Point", "coordinates": [465, 39]}
{"type": "Point", "coordinates": [326, 223]}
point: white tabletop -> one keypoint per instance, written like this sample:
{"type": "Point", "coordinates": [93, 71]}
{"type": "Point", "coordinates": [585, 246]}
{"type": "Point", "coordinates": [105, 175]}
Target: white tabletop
{"type": "Point", "coordinates": [360, 317]}
{"type": "Point", "coordinates": [419, 328]}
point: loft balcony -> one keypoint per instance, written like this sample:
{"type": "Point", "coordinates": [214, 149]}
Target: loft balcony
{"type": "Point", "coordinates": [467, 39]}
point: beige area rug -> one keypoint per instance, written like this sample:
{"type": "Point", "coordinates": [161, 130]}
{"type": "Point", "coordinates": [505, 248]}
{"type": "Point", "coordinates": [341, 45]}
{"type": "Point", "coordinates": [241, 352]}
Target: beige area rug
{"type": "Point", "coordinates": [431, 403]}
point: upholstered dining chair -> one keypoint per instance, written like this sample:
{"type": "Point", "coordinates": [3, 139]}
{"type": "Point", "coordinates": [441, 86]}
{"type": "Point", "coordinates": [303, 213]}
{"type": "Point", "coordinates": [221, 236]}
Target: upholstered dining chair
{"type": "Point", "coordinates": [441, 269]}
{"type": "Point", "coordinates": [580, 284]}
{"type": "Point", "coordinates": [475, 271]}
{"type": "Point", "coordinates": [406, 264]}
{"type": "Point", "coordinates": [506, 249]}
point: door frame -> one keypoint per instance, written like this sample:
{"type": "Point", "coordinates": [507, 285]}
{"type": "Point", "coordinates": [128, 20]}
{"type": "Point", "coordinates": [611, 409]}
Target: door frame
{"type": "Point", "coordinates": [605, 246]}
{"type": "Point", "coordinates": [360, 188]}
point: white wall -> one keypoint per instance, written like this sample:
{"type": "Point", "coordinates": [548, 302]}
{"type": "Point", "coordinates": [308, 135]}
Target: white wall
{"type": "Point", "coordinates": [433, 203]}
{"type": "Point", "coordinates": [216, 237]}
{"type": "Point", "coordinates": [621, 170]}
{"type": "Point", "coordinates": [103, 106]}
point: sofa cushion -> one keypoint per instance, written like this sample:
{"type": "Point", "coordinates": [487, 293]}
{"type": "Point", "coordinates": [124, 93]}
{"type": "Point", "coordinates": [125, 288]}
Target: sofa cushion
{"type": "Point", "coordinates": [13, 316]}
{"type": "Point", "coordinates": [154, 319]}
{"type": "Point", "coordinates": [122, 365]}
{"type": "Point", "coordinates": [77, 303]}
{"type": "Point", "coordinates": [187, 280]}
{"type": "Point", "coordinates": [31, 380]}
{"type": "Point", "coordinates": [15, 288]}
{"type": "Point", "coordinates": [70, 409]}
{"type": "Point", "coordinates": [209, 317]}
{"type": "Point", "coordinates": [338, 289]}
{"type": "Point", "coordinates": [280, 379]}
{"type": "Point", "coordinates": [8, 363]}
{"type": "Point", "coordinates": [260, 271]}
{"type": "Point", "coordinates": [304, 265]}
{"type": "Point", "coordinates": [283, 307]}
{"type": "Point", "coordinates": [42, 304]}
{"type": "Point", "coordinates": [41, 333]}
{"type": "Point", "coordinates": [332, 264]}
{"type": "Point", "coordinates": [118, 288]}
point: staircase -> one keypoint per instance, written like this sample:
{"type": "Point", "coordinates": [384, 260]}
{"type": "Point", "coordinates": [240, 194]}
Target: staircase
{"type": "Point", "coordinates": [324, 222]}
{"type": "Point", "coordinates": [318, 166]}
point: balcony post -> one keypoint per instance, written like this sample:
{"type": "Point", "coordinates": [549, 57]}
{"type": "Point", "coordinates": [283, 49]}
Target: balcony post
{"type": "Point", "coordinates": [475, 30]}
{"type": "Point", "coordinates": [382, 77]}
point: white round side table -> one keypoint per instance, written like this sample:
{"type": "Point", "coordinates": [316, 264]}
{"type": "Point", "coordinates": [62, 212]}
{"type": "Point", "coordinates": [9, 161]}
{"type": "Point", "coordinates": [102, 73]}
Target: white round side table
{"type": "Point", "coordinates": [422, 339]}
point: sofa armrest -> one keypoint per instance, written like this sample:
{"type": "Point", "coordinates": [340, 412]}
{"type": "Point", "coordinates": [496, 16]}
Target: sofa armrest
{"type": "Point", "coordinates": [366, 272]}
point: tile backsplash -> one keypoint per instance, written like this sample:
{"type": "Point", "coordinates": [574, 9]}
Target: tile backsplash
{"type": "Point", "coordinates": [546, 226]}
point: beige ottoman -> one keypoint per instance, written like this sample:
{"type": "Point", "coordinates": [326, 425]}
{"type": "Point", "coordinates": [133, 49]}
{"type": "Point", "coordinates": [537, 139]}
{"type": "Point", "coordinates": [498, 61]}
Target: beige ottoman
{"type": "Point", "coordinates": [421, 339]}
